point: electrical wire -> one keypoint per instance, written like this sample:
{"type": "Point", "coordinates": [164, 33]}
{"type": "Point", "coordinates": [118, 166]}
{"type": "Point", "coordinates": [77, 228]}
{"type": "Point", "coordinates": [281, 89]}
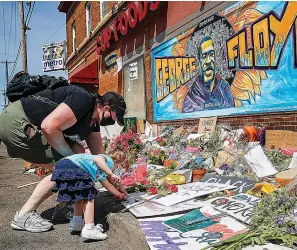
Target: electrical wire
{"type": "Point", "coordinates": [27, 21]}
{"type": "Point", "coordinates": [10, 27]}
{"type": "Point", "coordinates": [29, 18]}
{"type": "Point", "coordinates": [15, 27]}
{"type": "Point", "coordinates": [4, 30]}
{"type": "Point", "coordinates": [54, 33]}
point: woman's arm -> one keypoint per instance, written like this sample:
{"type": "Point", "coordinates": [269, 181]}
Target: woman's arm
{"type": "Point", "coordinates": [53, 125]}
{"type": "Point", "coordinates": [95, 144]}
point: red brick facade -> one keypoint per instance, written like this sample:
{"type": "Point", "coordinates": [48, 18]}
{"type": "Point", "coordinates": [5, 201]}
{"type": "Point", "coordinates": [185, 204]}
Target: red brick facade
{"type": "Point", "coordinates": [169, 15]}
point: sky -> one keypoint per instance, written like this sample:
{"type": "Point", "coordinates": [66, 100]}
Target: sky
{"type": "Point", "coordinates": [46, 21]}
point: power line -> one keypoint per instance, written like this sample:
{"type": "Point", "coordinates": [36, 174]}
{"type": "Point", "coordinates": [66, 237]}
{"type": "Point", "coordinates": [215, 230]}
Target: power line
{"type": "Point", "coordinates": [4, 29]}
{"type": "Point", "coordinates": [54, 33]}
{"type": "Point", "coordinates": [15, 27]}
{"type": "Point", "coordinates": [29, 18]}
{"type": "Point", "coordinates": [27, 21]}
{"type": "Point", "coordinates": [11, 12]}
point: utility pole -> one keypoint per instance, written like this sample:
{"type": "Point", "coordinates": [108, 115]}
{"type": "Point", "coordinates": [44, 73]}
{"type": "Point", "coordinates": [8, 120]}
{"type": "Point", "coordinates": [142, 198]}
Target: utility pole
{"type": "Point", "coordinates": [6, 76]}
{"type": "Point", "coordinates": [23, 37]}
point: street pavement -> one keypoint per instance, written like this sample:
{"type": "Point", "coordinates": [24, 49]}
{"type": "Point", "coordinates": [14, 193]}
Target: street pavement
{"type": "Point", "coordinates": [124, 232]}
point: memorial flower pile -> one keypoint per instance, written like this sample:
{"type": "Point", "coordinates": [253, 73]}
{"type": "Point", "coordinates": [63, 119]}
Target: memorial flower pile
{"type": "Point", "coordinates": [273, 220]}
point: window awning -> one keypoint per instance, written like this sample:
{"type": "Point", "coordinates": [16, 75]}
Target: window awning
{"type": "Point", "coordinates": [85, 74]}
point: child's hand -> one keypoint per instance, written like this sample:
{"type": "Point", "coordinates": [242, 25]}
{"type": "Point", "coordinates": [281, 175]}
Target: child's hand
{"type": "Point", "coordinates": [121, 196]}
{"type": "Point", "coordinates": [114, 178]}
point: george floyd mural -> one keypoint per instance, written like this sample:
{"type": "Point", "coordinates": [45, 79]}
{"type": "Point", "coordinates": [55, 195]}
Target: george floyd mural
{"type": "Point", "coordinates": [242, 60]}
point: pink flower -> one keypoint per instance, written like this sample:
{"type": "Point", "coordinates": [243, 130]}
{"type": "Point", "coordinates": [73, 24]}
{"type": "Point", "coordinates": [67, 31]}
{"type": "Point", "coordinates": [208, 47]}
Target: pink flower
{"type": "Point", "coordinates": [112, 146]}
{"type": "Point", "coordinates": [138, 141]}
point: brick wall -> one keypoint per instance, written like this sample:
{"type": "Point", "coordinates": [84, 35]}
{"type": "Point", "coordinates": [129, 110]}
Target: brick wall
{"type": "Point", "coordinates": [77, 14]}
{"type": "Point", "coordinates": [107, 80]}
{"type": "Point", "coordinates": [274, 121]}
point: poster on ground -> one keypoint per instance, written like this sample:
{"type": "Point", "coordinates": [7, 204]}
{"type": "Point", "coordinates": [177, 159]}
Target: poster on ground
{"type": "Point", "coordinates": [159, 236]}
{"type": "Point", "coordinates": [190, 191]}
{"type": "Point", "coordinates": [238, 206]}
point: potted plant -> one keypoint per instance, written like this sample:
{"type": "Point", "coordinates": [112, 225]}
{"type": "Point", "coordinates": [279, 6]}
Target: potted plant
{"type": "Point", "coordinates": [198, 168]}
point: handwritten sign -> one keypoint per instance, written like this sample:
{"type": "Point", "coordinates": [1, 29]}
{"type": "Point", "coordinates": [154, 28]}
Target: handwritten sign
{"type": "Point", "coordinates": [161, 237]}
{"type": "Point", "coordinates": [207, 125]}
{"type": "Point", "coordinates": [142, 209]}
{"type": "Point", "coordinates": [190, 191]}
{"type": "Point", "coordinates": [242, 185]}
{"type": "Point", "coordinates": [239, 206]}
{"type": "Point", "coordinates": [281, 139]}
{"type": "Point", "coordinates": [140, 126]}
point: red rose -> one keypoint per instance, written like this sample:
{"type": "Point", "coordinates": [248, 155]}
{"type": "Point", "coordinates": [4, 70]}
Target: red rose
{"type": "Point", "coordinates": [145, 182]}
{"type": "Point", "coordinates": [174, 189]}
{"type": "Point", "coordinates": [153, 190]}
{"type": "Point", "coordinates": [167, 186]}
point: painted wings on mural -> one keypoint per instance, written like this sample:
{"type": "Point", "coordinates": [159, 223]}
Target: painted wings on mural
{"type": "Point", "coordinates": [242, 85]}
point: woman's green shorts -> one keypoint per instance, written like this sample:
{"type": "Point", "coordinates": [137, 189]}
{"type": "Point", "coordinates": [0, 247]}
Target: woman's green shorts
{"type": "Point", "coordinates": [14, 127]}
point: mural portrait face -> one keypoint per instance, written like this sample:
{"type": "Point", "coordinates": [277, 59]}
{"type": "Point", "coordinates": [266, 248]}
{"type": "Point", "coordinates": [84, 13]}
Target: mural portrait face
{"type": "Point", "coordinates": [206, 56]}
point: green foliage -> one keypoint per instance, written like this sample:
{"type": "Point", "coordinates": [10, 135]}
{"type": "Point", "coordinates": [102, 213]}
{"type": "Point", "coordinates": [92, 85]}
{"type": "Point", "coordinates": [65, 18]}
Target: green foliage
{"type": "Point", "coordinates": [273, 220]}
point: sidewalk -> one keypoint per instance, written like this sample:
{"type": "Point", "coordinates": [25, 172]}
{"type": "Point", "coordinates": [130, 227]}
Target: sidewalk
{"type": "Point", "coordinates": [124, 232]}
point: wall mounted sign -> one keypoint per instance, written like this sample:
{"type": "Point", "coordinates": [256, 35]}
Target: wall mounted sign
{"type": "Point", "coordinates": [54, 56]}
{"type": "Point", "coordinates": [133, 71]}
{"type": "Point", "coordinates": [135, 13]}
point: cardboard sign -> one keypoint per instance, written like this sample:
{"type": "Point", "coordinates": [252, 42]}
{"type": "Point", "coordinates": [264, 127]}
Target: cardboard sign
{"type": "Point", "coordinates": [207, 125]}
{"type": "Point", "coordinates": [242, 185]}
{"type": "Point", "coordinates": [280, 139]}
{"type": "Point", "coordinates": [140, 126]}
{"type": "Point", "coordinates": [239, 206]}
{"type": "Point", "coordinates": [159, 236]}
{"type": "Point", "coordinates": [190, 191]}
{"type": "Point", "coordinates": [141, 209]}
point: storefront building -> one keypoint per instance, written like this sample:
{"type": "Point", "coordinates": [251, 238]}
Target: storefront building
{"type": "Point", "coordinates": [175, 62]}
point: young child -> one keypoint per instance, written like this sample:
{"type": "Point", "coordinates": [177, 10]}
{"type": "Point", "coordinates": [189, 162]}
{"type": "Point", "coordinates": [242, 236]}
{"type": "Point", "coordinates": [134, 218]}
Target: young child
{"type": "Point", "coordinates": [74, 177]}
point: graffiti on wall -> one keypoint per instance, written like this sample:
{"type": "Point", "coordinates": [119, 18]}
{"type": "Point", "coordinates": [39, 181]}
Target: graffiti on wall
{"type": "Point", "coordinates": [241, 60]}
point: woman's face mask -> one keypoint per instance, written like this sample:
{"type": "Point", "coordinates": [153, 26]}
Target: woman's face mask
{"type": "Point", "coordinates": [107, 116]}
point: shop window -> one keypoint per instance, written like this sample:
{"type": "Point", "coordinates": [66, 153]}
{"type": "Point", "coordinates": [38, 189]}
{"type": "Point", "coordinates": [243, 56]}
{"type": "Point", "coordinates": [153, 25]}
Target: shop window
{"type": "Point", "coordinates": [88, 18]}
{"type": "Point", "coordinates": [134, 89]}
{"type": "Point", "coordinates": [103, 9]}
{"type": "Point", "coordinates": [73, 36]}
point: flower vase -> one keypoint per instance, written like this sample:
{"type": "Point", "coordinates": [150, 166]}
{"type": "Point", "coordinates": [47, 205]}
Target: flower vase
{"type": "Point", "coordinates": [198, 174]}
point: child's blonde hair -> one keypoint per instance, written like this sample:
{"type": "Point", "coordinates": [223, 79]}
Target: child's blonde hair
{"type": "Point", "coordinates": [120, 157]}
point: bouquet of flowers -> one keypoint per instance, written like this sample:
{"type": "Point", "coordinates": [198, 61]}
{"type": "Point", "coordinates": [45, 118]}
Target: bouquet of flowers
{"type": "Point", "coordinates": [128, 141]}
{"type": "Point", "coordinates": [161, 141]}
{"type": "Point", "coordinates": [157, 156]}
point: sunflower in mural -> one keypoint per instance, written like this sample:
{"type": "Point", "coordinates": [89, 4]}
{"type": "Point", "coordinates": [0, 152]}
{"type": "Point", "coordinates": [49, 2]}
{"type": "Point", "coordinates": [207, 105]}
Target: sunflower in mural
{"type": "Point", "coordinates": [215, 85]}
